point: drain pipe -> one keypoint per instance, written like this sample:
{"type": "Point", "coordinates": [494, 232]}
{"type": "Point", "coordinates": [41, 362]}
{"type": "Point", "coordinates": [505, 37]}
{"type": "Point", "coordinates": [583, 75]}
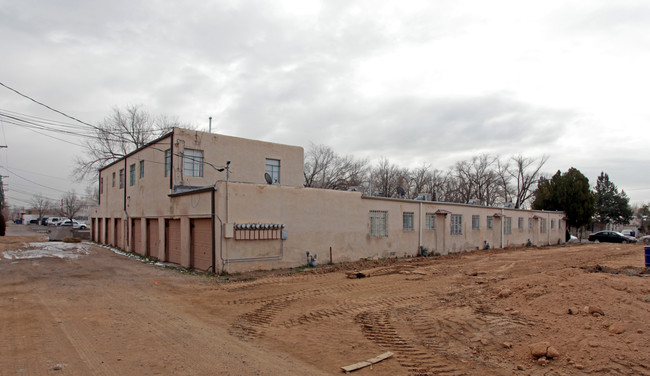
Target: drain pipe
{"type": "Point", "coordinates": [214, 234]}
{"type": "Point", "coordinates": [420, 230]}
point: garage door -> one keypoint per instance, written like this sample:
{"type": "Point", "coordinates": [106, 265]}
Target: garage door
{"type": "Point", "coordinates": [136, 235]}
{"type": "Point", "coordinates": [201, 248]}
{"type": "Point", "coordinates": [118, 233]}
{"type": "Point", "coordinates": [152, 237]}
{"type": "Point", "coordinates": [173, 240]}
{"type": "Point", "coordinates": [110, 239]}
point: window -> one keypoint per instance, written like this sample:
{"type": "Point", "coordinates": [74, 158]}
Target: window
{"type": "Point", "coordinates": [168, 162]}
{"type": "Point", "coordinates": [407, 221]}
{"type": "Point", "coordinates": [490, 222]}
{"type": "Point", "coordinates": [431, 221]}
{"type": "Point", "coordinates": [141, 169]}
{"type": "Point", "coordinates": [456, 224]}
{"type": "Point", "coordinates": [552, 224]}
{"type": "Point", "coordinates": [122, 178]}
{"type": "Point", "coordinates": [530, 224]}
{"type": "Point", "coordinates": [559, 224]}
{"type": "Point", "coordinates": [378, 220]}
{"type": "Point", "coordinates": [520, 223]}
{"type": "Point", "coordinates": [193, 162]}
{"type": "Point", "coordinates": [475, 222]}
{"type": "Point", "coordinates": [132, 175]}
{"type": "Point", "coordinates": [542, 225]}
{"type": "Point", "coordinates": [113, 180]}
{"type": "Point", "coordinates": [273, 169]}
{"type": "Point", "coordinates": [508, 225]}
{"type": "Point", "coordinates": [101, 185]}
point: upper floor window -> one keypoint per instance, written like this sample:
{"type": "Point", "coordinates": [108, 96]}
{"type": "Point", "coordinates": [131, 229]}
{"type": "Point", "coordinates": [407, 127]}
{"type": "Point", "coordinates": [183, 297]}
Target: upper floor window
{"type": "Point", "coordinates": [101, 185]}
{"type": "Point", "coordinates": [407, 221]}
{"type": "Point", "coordinates": [132, 175]}
{"type": "Point", "coordinates": [378, 222]}
{"type": "Point", "coordinates": [113, 179]}
{"type": "Point", "coordinates": [456, 224]}
{"type": "Point", "coordinates": [431, 221]}
{"type": "Point", "coordinates": [141, 169]}
{"type": "Point", "coordinates": [273, 169]}
{"type": "Point", "coordinates": [168, 162]}
{"type": "Point", "coordinates": [475, 222]}
{"type": "Point", "coordinates": [122, 177]}
{"type": "Point", "coordinates": [193, 162]}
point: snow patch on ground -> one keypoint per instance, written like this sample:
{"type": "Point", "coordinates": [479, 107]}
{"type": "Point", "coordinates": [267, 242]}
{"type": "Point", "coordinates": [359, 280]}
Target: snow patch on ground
{"type": "Point", "coordinates": [37, 250]}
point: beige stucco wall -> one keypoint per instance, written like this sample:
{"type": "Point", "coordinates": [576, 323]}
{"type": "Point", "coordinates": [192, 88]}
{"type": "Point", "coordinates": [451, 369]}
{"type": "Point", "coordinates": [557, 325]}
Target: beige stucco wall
{"type": "Point", "coordinates": [314, 220]}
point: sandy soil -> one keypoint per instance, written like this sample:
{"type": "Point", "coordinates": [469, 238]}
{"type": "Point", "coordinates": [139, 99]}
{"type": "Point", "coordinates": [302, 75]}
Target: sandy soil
{"type": "Point", "coordinates": [91, 311]}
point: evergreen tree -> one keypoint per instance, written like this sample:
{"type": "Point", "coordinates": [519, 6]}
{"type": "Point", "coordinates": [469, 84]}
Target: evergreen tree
{"type": "Point", "coordinates": [569, 192]}
{"type": "Point", "coordinates": [611, 206]}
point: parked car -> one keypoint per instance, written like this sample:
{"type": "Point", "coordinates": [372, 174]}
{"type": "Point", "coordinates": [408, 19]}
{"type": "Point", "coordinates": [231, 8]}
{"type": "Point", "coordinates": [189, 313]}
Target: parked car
{"type": "Point", "coordinates": [627, 232]}
{"type": "Point", "coordinates": [645, 239]}
{"type": "Point", "coordinates": [52, 221]}
{"type": "Point", "coordinates": [75, 225]}
{"type": "Point", "coordinates": [611, 237]}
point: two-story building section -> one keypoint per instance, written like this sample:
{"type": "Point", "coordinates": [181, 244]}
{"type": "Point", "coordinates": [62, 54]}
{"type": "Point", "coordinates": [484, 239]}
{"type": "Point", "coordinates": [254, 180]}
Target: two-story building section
{"type": "Point", "coordinates": [221, 203]}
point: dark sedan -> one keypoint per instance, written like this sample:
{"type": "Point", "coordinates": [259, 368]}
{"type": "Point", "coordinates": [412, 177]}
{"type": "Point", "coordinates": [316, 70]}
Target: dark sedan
{"type": "Point", "coordinates": [610, 237]}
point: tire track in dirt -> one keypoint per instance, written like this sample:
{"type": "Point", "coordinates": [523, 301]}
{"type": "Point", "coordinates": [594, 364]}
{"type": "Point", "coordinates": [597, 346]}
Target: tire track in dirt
{"type": "Point", "coordinates": [418, 361]}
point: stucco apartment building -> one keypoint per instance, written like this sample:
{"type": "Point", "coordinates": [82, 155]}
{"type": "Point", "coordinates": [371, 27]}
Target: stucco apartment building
{"type": "Point", "coordinates": [215, 202]}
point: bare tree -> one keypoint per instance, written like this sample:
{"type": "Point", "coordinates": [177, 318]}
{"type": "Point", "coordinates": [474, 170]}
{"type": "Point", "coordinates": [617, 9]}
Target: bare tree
{"type": "Point", "coordinates": [122, 132]}
{"type": "Point", "coordinates": [70, 205]}
{"type": "Point", "coordinates": [386, 178]}
{"type": "Point", "coordinates": [41, 204]}
{"type": "Point", "coordinates": [525, 173]}
{"type": "Point", "coordinates": [325, 169]}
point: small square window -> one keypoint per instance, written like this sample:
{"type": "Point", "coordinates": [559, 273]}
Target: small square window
{"type": "Point", "coordinates": [378, 223]}
{"type": "Point", "coordinates": [431, 221]}
{"type": "Point", "coordinates": [475, 222]}
{"type": "Point", "coordinates": [273, 169]}
{"type": "Point", "coordinates": [193, 162]}
{"type": "Point", "coordinates": [407, 221]}
{"type": "Point", "coordinates": [456, 224]}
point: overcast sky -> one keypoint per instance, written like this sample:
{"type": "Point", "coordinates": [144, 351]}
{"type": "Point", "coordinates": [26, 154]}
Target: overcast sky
{"type": "Point", "coordinates": [414, 81]}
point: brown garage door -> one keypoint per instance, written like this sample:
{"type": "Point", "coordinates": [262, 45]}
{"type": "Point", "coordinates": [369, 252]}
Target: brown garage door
{"type": "Point", "coordinates": [110, 239]}
{"type": "Point", "coordinates": [201, 251]}
{"type": "Point", "coordinates": [152, 237]}
{"type": "Point", "coordinates": [118, 233]}
{"type": "Point", "coordinates": [173, 240]}
{"type": "Point", "coordinates": [136, 235]}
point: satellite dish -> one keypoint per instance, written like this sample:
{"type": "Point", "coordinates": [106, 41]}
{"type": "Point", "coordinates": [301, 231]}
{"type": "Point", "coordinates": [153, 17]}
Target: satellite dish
{"type": "Point", "coordinates": [401, 192]}
{"type": "Point", "coordinates": [268, 178]}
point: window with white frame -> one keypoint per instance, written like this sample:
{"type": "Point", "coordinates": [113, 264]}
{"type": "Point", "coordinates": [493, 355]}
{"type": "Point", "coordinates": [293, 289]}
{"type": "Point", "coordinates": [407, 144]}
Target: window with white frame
{"type": "Point", "coordinates": [475, 222]}
{"type": "Point", "coordinates": [407, 221]}
{"type": "Point", "coordinates": [273, 169]}
{"type": "Point", "coordinates": [456, 224]}
{"type": "Point", "coordinates": [192, 162]}
{"type": "Point", "coordinates": [378, 222]}
{"type": "Point", "coordinates": [508, 225]}
{"type": "Point", "coordinates": [431, 221]}
{"type": "Point", "coordinates": [490, 222]}
{"type": "Point", "coordinates": [141, 169]}
{"type": "Point", "coordinates": [520, 223]}
{"type": "Point", "coordinates": [168, 162]}
{"type": "Point", "coordinates": [542, 225]}
{"type": "Point", "coordinates": [132, 175]}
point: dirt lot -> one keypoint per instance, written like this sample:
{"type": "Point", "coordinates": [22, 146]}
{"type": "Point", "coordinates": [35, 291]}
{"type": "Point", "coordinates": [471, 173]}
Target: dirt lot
{"type": "Point", "coordinates": [86, 310]}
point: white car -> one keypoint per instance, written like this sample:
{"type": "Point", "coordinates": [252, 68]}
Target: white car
{"type": "Point", "coordinates": [75, 225]}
